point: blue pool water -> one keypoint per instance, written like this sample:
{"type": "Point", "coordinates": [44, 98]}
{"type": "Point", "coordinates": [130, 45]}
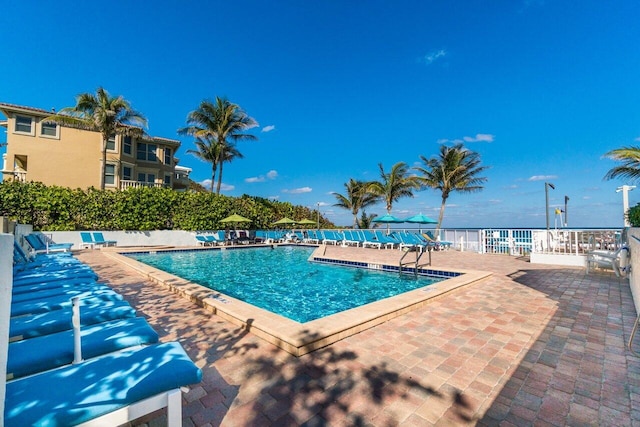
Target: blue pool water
{"type": "Point", "coordinates": [282, 281]}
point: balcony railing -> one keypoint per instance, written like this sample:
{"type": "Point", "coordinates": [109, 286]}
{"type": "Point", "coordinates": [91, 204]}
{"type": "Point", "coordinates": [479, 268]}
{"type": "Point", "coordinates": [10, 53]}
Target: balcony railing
{"type": "Point", "coordinates": [20, 176]}
{"type": "Point", "coordinates": [136, 184]}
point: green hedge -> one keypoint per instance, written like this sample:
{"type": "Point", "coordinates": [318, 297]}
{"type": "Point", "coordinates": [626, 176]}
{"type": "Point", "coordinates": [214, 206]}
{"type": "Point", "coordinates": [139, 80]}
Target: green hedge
{"type": "Point", "coordinates": [59, 208]}
{"type": "Point", "coordinates": [633, 215]}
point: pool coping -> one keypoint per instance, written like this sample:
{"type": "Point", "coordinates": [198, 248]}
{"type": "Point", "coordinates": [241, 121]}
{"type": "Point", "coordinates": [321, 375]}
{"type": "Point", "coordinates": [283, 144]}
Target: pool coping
{"type": "Point", "coordinates": [300, 338]}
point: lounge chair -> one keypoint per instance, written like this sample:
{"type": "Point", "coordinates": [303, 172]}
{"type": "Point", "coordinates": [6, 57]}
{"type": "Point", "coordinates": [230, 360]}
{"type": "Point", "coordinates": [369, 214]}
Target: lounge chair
{"type": "Point", "coordinates": [351, 238]}
{"type": "Point", "coordinates": [44, 246]}
{"type": "Point", "coordinates": [388, 241]}
{"type": "Point", "coordinates": [435, 242]}
{"type": "Point", "coordinates": [87, 240]}
{"type": "Point", "coordinates": [98, 238]}
{"type": "Point", "coordinates": [370, 240]}
{"type": "Point", "coordinates": [40, 354]}
{"type": "Point", "coordinates": [331, 237]}
{"type": "Point", "coordinates": [22, 260]}
{"type": "Point", "coordinates": [44, 275]}
{"type": "Point", "coordinates": [36, 325]}
{"type": "Point", "coordinates": [109, 390]}
{"type": "Point", "coordinates": [617, 260]}
{"type": "Point", "coordinates": [206, 240]}
{"type": "Point", "coordinates": [41, 294]}
{"type": "Point", "coordinates": [40, 286]}
{"type": "Point", "coordinates": [90, 296]}
{"type": "Point", "coordinates": [407, 240]}
{"type": "Point", "coordinates": [314, 237]}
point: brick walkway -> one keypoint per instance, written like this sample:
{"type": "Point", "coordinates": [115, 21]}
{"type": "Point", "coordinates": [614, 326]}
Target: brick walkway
{"type": "Point", "coordinates": [533, 344]}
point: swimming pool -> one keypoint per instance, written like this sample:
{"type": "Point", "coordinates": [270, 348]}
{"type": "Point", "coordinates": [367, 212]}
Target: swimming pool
{"type": "Point", "coordinates": [282, 281]}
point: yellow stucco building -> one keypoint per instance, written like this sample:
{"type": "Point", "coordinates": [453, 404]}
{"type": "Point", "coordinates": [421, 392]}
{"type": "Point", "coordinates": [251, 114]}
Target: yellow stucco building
{"type": "Point", "coordinates": [60, 155]}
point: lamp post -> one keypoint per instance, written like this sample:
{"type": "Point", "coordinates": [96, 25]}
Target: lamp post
{"type": "Point", "coordinates": [566, 212]}
{"type": "Point", "coordinates": [546, 198]}
{"type": "Point", "coordinates": [318, 216]}
{"type": "Point", "coordinates": [625, 201]}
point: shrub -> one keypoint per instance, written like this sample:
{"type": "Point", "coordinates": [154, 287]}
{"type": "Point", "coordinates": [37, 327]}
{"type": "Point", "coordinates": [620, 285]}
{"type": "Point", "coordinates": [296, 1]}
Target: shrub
{"type": "Point", "coordinates": [60, 208]}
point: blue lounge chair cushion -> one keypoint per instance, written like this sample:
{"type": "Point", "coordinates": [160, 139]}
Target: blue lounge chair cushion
{"type": "Point", "coordinates": [96, 387]}
{"type": "Point", "coordinates": [40, 354]}
{"type": "Point", "coordinates": [58, 302]}
{"type": "Point", "coordinates": [60, 320]}
{"type": "Point", "coordinates": [69, 292]}
{"type": "Point", "coordinates": [53, 275]}
{"type": "Point", "coordinates": [69, 283]}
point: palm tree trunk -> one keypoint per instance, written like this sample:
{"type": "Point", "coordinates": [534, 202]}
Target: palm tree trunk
{"type": "Point", "coordinates": [104, 161]}
{"type": "Point", "coordinates": [219, 179]}
{"type": "Point", "coordinates": [444, 201]}
{"type": "Point", "coordinates": [213, 175]}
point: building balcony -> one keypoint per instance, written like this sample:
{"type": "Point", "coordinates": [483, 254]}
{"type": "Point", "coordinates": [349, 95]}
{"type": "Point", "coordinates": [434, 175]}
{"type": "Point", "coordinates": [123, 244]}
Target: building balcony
{"type": "Point", "coordinates": [136, 184]}
{"type": "Point", "coordinates": [20, 176]}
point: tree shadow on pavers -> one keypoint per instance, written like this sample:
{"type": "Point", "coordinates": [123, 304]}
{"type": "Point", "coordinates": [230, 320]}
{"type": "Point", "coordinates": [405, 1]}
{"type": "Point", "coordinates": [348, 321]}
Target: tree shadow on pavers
{"type": "Point", "coordinates": [576, 369]}
{"type": "Point", "coordinates": [332, 386]}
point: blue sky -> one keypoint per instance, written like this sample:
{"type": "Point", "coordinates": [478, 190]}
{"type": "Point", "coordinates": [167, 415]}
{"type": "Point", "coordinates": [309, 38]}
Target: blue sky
{"type": "Point", "coordinates": [541, 89]}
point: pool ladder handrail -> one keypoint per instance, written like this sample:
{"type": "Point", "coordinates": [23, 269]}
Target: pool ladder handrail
{"type": "Point", "coordinates": [419, 254]}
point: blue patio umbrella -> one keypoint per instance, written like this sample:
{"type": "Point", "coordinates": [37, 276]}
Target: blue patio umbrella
{"type": "Point", "coordinates": [388, 219]}
{"type": "Point", "coordinates": [420, 219]}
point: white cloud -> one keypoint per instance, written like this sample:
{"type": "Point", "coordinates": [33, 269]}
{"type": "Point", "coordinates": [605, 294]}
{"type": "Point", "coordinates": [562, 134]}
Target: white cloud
{"type": "Point", "coordinates": [323, 204]}
{"type": "Point", "coordinates": [542, 177]}
{"type": "Point", "coordinates": [272, 174]}
{"type": "Point", "coordinates": [223, 187]}
{"type": "Point", "coordinates": [637, 139]}
{"type": "Point", "coordinates": [273, 197]}
{"type": "Point", "coordinates": [480, 137]}
{"type": "Point", "coordinates": [268, 128]}
{"type": "Point", "coordinates": [298, 190]}
{"type": "Point", "coordinates": [431, 57]}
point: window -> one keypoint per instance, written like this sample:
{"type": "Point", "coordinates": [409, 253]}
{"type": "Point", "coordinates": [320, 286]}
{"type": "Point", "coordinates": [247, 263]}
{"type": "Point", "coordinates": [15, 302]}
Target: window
{"type": "Point", "coordinates": [146, 177]}
{"type": "Point", "coordinates": [146, 152]}
{"type": "Point", "coordinates": [111, 143]}
{"type": "Point", "coordinates": [49, 129]}
{"type": "Point", "coordinates": [23, 124]}
{"type": "Point", "coordinates": [109, 174]}
{"type": "Point", "coordinates": [127, 173]}
{"type": "Point", "coordinates": [167, 180]}
{"type": "Point", "coordinates": [167, 156]}
{"type": "Point", "coordinates": [126, 145]}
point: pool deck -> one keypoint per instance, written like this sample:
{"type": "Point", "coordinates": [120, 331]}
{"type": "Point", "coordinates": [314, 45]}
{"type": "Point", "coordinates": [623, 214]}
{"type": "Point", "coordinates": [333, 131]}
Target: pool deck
{"type": "Point", "coordinates": [529, 345]}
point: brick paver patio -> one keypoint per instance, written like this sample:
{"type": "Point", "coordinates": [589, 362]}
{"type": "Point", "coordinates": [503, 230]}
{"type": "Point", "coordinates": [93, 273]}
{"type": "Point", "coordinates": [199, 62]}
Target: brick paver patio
{"type": "Point", "coordinates": [532, 345]}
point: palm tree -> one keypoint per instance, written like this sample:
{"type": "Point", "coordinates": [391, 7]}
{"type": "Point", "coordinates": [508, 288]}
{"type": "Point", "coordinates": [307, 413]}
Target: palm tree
{"type": "Point", "coordinates": [630, 167]}
{"type": "Point", "coordinates": [454, 169]}
{"type": "Point", "coordinates": [366, 220]}
{"type": "Point", "coordinates": [394, 185]}
{"type": "Point", "coordinates": [206, 152]}
{"type": "Point", "coordinates": [218, 126]}
{"type": "Point", "coordinates": [101, 112]}
{"type": "Point", "coordinates": [356, 197]}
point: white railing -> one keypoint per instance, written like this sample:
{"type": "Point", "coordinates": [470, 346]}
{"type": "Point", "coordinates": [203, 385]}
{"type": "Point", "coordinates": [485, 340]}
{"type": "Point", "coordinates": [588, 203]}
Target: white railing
{"type": "Point", "coordinates": [577, 242]}
{"type": "Point", "coordinates": [515, 241]}
{"type": "Point", "coordinates": [20, 176]}
{"type": "Point", "coordinates": [136, 184]}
